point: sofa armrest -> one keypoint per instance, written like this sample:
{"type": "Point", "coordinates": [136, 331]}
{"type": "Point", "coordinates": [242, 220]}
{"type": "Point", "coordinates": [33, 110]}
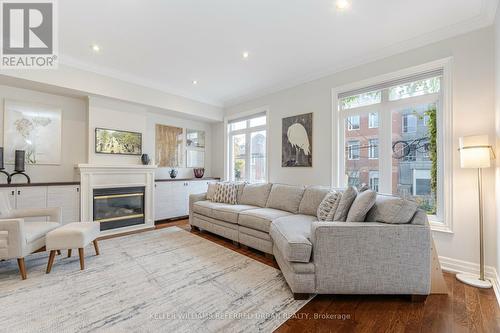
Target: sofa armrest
{"type": "Point", "coordinates": [371, 258]}
{"type": "Point", "coordinates": [12, 238]}
{"type": "Point", "coordinates": [192, 199]}
{"type": "Point", "coordinates": [53, 213]}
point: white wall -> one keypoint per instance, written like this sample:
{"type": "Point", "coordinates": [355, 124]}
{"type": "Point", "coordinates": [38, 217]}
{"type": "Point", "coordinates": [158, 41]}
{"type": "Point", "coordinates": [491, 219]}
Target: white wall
{"type": "Point", "coordinates": [473, 112]}
{"type": "Point", "coordinates": [114, 114]}
{"type": "Point", "coordinates": [497, 122]}
{"type": "Point", "coordinates": [74, 134]}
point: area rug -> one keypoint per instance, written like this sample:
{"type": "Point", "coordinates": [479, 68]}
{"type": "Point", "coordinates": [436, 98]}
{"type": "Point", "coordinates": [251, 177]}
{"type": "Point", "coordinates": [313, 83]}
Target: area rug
{"type": "Point", "coordinates": [167, 280]}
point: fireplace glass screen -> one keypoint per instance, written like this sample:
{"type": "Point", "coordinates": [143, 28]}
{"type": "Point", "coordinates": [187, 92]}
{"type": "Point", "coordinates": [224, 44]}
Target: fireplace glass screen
{"type": "Point", "coordinates": [119, 207]}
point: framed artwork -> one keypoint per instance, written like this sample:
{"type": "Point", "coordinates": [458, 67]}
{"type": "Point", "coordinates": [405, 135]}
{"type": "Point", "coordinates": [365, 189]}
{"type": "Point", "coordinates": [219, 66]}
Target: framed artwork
{"type": "Point", "coordinates": [169, 146]}
{"type": "Point", "coordinates": [195, 138]}
{"type": "Point", "coordinates": [296, 144]}
{"type": "Point", "coordinates": [118, 142]}
{"type": "Point", "coordinates": [34, 128]}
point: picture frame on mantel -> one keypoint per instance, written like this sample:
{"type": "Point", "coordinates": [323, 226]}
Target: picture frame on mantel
{"type": "Point", "coordinates": [117, 142]}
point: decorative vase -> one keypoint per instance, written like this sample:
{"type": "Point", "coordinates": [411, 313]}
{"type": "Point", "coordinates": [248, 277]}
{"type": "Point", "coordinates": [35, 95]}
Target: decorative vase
{"type": "Point", "coordinates": [199, 172]}
{"type": "Point", "coordinates": [173, 173]}
{"type": "Point", "coordinates": [145, 159]}
{"type": "Point", "coordinates": [19, 161]}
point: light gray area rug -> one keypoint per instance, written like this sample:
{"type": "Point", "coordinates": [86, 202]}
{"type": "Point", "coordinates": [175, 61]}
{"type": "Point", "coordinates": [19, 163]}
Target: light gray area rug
{"type": "Point", "coordinates": [164, 281]}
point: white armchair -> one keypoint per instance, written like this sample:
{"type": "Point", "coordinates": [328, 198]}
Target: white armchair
{"type": "Point", "coordinates": [19, 238]}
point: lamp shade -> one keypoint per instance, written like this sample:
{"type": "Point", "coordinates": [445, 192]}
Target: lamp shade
{"type": "Point", "coordinates": [475, 152]}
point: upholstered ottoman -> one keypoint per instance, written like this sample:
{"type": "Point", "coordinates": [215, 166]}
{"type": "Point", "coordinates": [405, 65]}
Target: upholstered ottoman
{"type": "Point", "coordinates": [75, 235]}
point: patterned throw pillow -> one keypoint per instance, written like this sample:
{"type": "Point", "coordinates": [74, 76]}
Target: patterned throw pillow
{"type": "Point", "coordinates": [226, 193]}
{"type": "Point", "coordinates": [326, 208]}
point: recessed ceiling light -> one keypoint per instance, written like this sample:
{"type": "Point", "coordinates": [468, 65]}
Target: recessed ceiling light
{"type": "Point", "coordinates": [245, 55]}
{"type": "Point", "coordinates": [96, 48]}
{"type": "Point", "coordinates": [342, 4]}
{"type": "Point", "coordinates": [195, 82]}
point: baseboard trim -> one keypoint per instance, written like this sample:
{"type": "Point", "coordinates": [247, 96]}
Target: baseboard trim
{"type": "Point", "coordinates": [459, 266]}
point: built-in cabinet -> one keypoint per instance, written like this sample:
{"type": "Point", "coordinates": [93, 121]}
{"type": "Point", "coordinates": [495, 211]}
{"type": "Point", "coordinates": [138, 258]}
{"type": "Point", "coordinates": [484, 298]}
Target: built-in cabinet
{"type": "Point", "coordinates": [172, 197]}
{"type": "Point", "coordinates": [67, 197]}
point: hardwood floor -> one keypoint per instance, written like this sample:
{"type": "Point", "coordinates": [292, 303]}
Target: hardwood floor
{"type": "Point", "coordinates": [465, 309]}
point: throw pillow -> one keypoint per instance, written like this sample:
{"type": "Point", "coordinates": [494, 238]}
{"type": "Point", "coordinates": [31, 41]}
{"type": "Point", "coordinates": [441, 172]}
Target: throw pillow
{"type": "Point", "coordinates": [362, 204]}
{"type": "Point", "coordinates": [226, 193]}
{"type": "Point", "coordinates": [212, 187]}
{"type": "Point", "coordinates": [389, 209]}
{"type": "Point", "coordinates": [326, 205]}
{"type": "Point", "coordinates": [345, 203]}
{"type": "Point", "coordinates": [331, 215]}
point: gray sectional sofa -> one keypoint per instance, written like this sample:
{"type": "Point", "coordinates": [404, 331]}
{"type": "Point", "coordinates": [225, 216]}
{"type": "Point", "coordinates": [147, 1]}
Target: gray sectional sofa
{"type": "Point", "coordinates": [322, 257]}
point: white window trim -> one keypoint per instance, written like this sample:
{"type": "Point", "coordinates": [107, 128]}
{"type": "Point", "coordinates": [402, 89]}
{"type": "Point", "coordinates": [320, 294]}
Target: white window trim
{"type": "Point", "coordinates": [349, 151]}
{"type": "Point", "coordinates": [445, 135]}
{"type": "Point", "coordinates": [372, 149]}
{"type": "Point", "coordinates": [349, 125]}
{"type": "Point", "coordinates": [227, 156]}
{"type": "Point", "coordinates": [370, 125]}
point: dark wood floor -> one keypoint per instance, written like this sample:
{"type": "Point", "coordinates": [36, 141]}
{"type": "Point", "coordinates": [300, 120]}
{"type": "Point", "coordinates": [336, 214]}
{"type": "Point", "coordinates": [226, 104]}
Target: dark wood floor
{"type": "Point", "coordinates": [465, 309]}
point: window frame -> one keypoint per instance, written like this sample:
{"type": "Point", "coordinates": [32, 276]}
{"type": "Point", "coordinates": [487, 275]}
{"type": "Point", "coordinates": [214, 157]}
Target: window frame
{"type": "Point", "coordinates": [349, 123]}
{"type": "Point", "coordinates": [444, 222]}
{"type": "Point", "coordinates": [228, 170]}
{"type": "Point", "coordinates": [372, 149]}
{"type": "Point", "coordinates": [349, 150]}
{"type": "Point", "coordinates": [370, 122]}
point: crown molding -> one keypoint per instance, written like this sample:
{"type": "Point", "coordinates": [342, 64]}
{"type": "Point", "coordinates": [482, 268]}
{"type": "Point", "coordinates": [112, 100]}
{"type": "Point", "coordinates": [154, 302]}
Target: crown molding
{"type": "Point", "coordinates": [71, 62]}
{"type": "Point", "coordinates": [482, 20]}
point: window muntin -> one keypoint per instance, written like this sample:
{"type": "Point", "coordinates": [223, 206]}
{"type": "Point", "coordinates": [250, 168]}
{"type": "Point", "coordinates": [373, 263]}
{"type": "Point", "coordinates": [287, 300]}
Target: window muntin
{"type": "Point", "coordinates": [247, 140]}
{"type": "Point", "coordinates": [406, 118]}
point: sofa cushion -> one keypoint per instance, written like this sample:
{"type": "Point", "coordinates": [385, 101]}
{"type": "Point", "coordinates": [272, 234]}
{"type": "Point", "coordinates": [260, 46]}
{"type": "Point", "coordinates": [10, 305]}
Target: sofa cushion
{"type": "Point", "coordinates": [255, 194]}
{"type": "Point", "coordinates": [35, 230]}
{"type": "Point", "coordinates": [345, 203]}
{"type": "Point", "coordinates": [389, 209]}
{"type": "Point", "coordinates": [261, 218]}
{"type": "Point", "coordinates": [362, 204]}
{"type": "Point", "coordinates": [313, 195]}
{"type": "Point", "coordinates": [222, 211]}
{"type": "Point", "coordinates": [420, 218]}
{"type": "Point", "coordinates": [291, 234]}
{"type": "Point", "coordinates": [229, 213]}
{"type": "Point", "coordinates": [285, 197]}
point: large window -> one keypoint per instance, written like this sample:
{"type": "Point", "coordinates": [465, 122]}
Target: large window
{"type": "Point", "coordinates": [247, 142]}
{"type": "Point", "coordinates": [390, 134]}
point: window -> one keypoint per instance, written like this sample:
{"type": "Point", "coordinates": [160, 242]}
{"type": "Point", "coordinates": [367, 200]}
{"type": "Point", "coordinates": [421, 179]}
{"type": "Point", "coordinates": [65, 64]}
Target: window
{"type": "Point", "coordinates": [353, 123]}
{"type": "Point", "coordinates": [373, 120]}
{"type": "Point", "coordinates": [353, 150]}
{"type": "Point", "coordinates": [409, 123]}
{"type": "Point", "coordinates": [247, 153]}
{"type": "Point", "coordinates": [373, 149]}
{"type": "Point", "coordinates": [396, 152]}
{"type": "Point", "coordinates": [373, 181]}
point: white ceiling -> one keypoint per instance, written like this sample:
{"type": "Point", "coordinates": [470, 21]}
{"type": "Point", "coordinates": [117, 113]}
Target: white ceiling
{"type": "Point", "coordinates": [167, 44]}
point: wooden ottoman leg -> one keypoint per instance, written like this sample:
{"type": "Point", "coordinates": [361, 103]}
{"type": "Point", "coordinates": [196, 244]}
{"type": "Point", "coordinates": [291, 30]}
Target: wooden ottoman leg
{"type": "Point", "coordinates": [69, 253]}
{"type": "Point", "coordinates": [22, 268]}
{"type": "Point", "coordinates": [82, 258]}
{"type": "Point", "coordinates": [96, 247]}
{"type": "Point", "coordinates": [58, 252]}
{"type": "Point", "coordinates": [51, 261]}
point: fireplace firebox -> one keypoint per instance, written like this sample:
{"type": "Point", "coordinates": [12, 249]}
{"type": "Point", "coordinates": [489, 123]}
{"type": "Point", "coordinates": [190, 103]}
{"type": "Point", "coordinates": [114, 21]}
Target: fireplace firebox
{"type": "Point", "coordinates": [119, 207]}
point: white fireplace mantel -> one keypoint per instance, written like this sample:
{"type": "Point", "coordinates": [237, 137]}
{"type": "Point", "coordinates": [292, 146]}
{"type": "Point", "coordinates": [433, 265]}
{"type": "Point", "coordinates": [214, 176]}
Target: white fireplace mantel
{"type": "Point", "coordinates": [94, 176]}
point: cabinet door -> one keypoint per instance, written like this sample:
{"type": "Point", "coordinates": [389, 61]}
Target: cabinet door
{"type": "Point", "coordinates": [68, 199]}
{"type": "Point", "coordinates": [180, 202]}
{"type": "Point", "coordinates": [162, 195]}
{"type": "Point", "coordinates": [32, 197]}
{"type": "Point", "coordinates": [10, 193]}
